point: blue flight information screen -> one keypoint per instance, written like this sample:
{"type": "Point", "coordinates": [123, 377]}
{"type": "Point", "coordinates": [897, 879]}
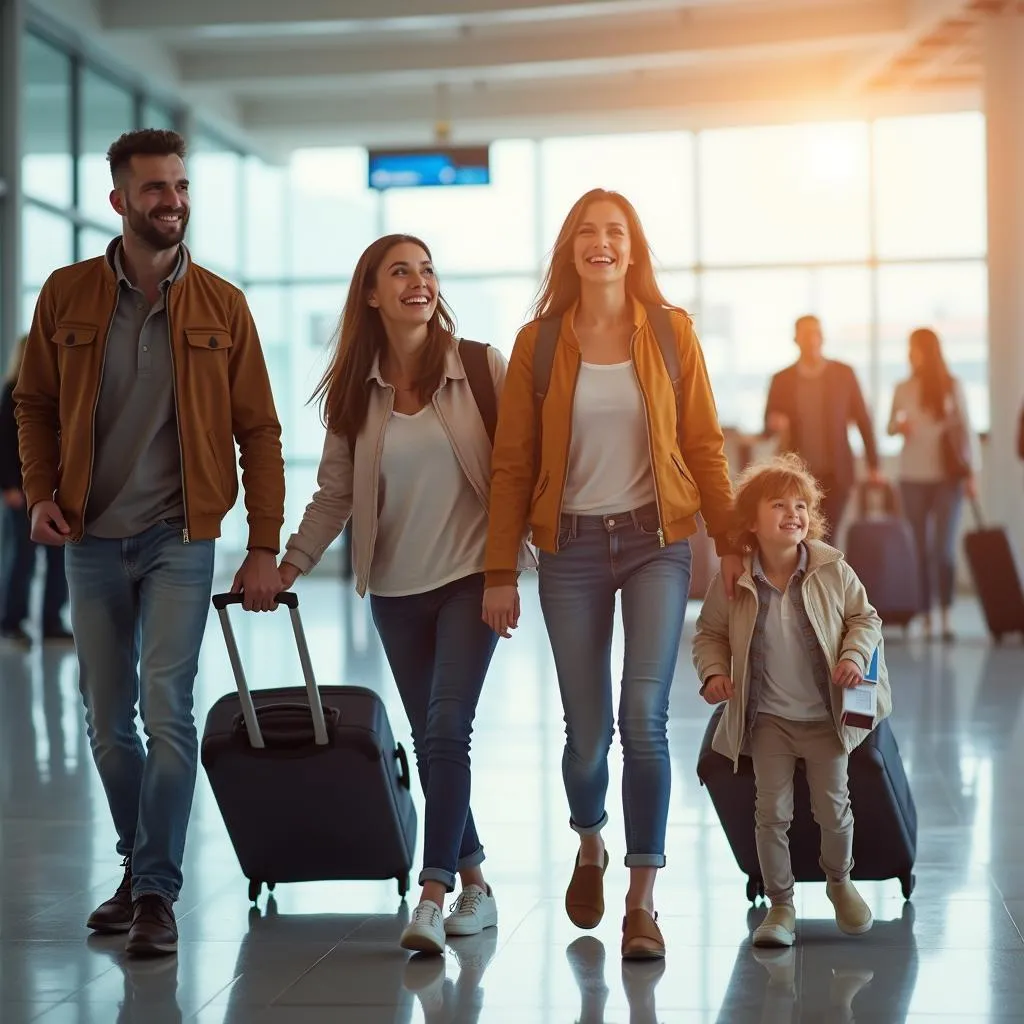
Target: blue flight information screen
{"type": "Point", "coordinates": [419, 168]}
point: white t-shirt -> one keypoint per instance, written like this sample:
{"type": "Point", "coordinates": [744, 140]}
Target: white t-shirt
{"type": "Point", "coordinates": [921, 456]}
{"type": "Point", "coordinates": [432, 527]}
{"type": "Point", "coordinates": [610, 454]}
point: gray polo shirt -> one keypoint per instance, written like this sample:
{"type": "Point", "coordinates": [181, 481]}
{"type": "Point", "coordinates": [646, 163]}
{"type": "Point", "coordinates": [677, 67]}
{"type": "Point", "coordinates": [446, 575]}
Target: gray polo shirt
{"type": "Point", "coordinates": [789, 687]}
{"type": "Point", "coordinates": [136, 476]}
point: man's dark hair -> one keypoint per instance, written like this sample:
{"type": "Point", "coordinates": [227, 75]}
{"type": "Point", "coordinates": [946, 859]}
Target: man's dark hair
{"type": "Point", "coordinates": [144, 142]}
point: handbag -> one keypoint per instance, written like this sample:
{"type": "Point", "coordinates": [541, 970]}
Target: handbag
{"type": "Point", "coordinates": [955, 446]}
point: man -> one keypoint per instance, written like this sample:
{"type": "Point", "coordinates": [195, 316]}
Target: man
{"type": "Point", "coordinates": [141, 371]}
{"type": "Point", "coordinates": [811, 405]}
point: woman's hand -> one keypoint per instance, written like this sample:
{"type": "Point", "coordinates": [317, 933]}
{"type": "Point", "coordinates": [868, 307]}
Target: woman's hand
{"type": "Point", "coordinates": [717, 689]}
{"type": "Point", "coordinates": [289, 574]}
{"type": "Point", "coordinates": [847, 674]}
{"type": "Point", "coordinates": [501, 609]}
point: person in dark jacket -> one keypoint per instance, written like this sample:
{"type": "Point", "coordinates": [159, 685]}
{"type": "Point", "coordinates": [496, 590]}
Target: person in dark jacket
{"type": "Point", "coordinates": [19, 552]}
{"type": "Point", "coordinates": [810, 407]}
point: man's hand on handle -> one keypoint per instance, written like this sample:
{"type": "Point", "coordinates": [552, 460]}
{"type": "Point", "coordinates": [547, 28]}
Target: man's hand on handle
{"type": "Point", "coordinates": [258, 581]}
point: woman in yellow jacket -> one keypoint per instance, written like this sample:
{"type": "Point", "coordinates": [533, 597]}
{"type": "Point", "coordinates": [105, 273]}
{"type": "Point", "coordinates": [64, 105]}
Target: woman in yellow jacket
{"type": "Point", "coordinates": [608, 465]}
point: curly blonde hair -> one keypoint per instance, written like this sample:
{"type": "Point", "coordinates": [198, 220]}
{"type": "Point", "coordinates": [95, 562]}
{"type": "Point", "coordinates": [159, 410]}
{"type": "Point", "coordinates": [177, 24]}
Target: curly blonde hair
{"type": "Point", "coordinates": [779, 477]}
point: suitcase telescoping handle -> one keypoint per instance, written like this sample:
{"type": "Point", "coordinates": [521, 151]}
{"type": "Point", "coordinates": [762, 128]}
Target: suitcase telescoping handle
{"type": "Point", "coordinates": [252, 726]}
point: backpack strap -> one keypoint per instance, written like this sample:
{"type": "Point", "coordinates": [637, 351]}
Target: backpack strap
{"type": "Point", "coordinates": [543, 360]}
{"type": "Point", "coordinates": [662, 324]}
{"type": "Point", "coordinates": [478, 372]}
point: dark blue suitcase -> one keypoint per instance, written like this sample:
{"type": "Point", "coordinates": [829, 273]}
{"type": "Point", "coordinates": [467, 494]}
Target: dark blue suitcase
{"type": "Point", "coordinates": [884, 812]}
{"type": "Point", "coordinates": [880, 549]}
{"type": "Point", "coordinates": [309, 780]}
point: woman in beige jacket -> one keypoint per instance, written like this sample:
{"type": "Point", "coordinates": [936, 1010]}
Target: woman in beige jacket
{"type": "Point", "coordinates": [799, 630]}
{"type": "Point", "coordinates": [408, 457]}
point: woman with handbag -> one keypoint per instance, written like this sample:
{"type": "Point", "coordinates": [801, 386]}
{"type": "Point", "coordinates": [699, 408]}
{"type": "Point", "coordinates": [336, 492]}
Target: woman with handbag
{"type": "Point", "coordinates": [937, 467]}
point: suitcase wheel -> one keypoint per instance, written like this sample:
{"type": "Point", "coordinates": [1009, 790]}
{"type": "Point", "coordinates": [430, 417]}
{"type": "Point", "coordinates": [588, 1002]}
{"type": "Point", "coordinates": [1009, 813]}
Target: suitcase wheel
{"type": "Point", "coordinates": [403, 887]}
{"type": "Point", "coordinates": [907, 883]}
{"type": "Point", "coordinates": [255, 888]}
{"type": "Point", "coordinates": [755, 888]}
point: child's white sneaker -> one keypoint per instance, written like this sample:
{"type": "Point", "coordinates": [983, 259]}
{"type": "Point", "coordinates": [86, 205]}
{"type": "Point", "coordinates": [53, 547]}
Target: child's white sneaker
{"type": "Point", "coordinates": [778, 927]}
{"type": "Point", "coordinates": [472, 912]}
{"type": "Point", "coordinates": [425, 931]}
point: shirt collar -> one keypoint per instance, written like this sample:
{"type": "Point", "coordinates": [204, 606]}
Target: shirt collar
{"type": "Point", "coordinates": [115, 256]}
{"type": "Point", "coordinates": [453, 368]}
{"type": "Point", "coordinates": [757, 570]}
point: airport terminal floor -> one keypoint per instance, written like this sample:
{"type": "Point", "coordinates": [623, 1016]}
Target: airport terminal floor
{"type": "Point", "coordinates": [328, 952]}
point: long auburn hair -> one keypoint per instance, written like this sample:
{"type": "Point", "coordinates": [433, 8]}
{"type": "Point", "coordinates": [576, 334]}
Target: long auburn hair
{"type": "Point", "coordinates": [561, 285]}
{"type": "Point", "coordinates": [932, 372]}
{"type": "Point", "coordinates": [343, 391]}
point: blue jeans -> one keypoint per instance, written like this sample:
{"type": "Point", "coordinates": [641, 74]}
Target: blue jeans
{"type": "Point", "coordinates": [599, 555]}
{"type": "Point", "coordinates": [138, 612]}
{"type": "Point", "coordinates": [933, 510]}
{"type": "Point", "coordinates": [19, 562]}
{"type": "Point", "coordinates": [439, 650]}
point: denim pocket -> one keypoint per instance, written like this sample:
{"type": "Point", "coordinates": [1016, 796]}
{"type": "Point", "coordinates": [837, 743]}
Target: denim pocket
{"type": "Point", "coordinates": [648, 524]}
{"type": "Point", "coordinates": [565, 536]}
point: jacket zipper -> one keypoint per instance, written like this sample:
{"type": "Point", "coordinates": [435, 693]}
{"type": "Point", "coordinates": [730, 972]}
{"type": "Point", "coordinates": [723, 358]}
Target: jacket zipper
{"type": "Point", "coordinates": [95, 406]}
{"type": "Point", "coordinates": [568, 448]}
{"type": "Point", "coordinates": [650, 440]}
{"type": "Point", "coordinates": [177, 414]}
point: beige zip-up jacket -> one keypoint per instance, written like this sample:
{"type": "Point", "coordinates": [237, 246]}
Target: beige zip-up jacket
{"type": "Point", "coordinates": [845, 623]}
{"type": "Point", "coordinates": [346, 489]}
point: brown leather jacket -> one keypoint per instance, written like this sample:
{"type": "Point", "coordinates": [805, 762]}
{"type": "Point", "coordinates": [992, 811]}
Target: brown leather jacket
{"type": "Point", "coordinates": [221, 394]}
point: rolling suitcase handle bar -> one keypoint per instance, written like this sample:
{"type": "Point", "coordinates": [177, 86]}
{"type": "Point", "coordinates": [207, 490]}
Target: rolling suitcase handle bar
{"type": "Point", "coordinates": [252, 725]}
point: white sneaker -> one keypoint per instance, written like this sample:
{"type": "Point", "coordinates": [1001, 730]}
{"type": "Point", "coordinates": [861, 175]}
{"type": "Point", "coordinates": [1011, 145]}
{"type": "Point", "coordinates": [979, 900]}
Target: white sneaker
{"type": "Point", "coordinates": [472, 912]}
{"type": "Point", "coordinates": [425, 931]}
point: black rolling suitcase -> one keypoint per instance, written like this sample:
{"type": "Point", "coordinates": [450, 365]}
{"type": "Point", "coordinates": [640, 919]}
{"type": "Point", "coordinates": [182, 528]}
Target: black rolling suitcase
{"type": "Point", "coordinates": [996, 578]}
{"type": "Point", "coordinates": [885, 829]}
{"type": "Point", "coordinates": [880, 549]}
{"type": "Point", "coordinates": [309, 781]}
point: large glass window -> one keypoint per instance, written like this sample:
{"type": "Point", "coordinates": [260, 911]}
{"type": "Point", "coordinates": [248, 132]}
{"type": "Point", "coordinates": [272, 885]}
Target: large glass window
{"type": "Point", "coordinates": [654, 172]}
{"type": "Point", "coordinates": [156, 115]}
{"type": "Point", "coordinates": [930, 186]}
{"type": "Point", "coordinates": [333, 216]}
{"type": "Point", "coordinates": [266, 220]}
{"type": "Point", "coordinates": [47, 166]}
{"type": "Point", "coordinates": [491, 310]}
{"type": "Point", "coordinates": [215, 224]}
{"type": "Point", "coordinates": [107, 112]}
{"type": "Point", "coordinates": [475, 228]}
{"type": "Point", "coordinates": [47, 242]}
{"type": "Point", "coordinates": [784, 194]}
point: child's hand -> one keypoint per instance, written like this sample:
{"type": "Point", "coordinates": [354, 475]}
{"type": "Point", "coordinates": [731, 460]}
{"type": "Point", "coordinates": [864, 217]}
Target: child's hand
{"type": "Point", "coordinates": [847, 674]}
{"type": "Point", "coordinates": [717, 689]}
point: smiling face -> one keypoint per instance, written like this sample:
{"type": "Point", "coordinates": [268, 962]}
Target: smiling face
{"type": "Point", "coordinates": [405, 290]}
{"type": "Point", "coordinates": [782, 522]}
{"type": "Point", "coordinates": [153, 201]}
{"type": "Point", "coordinates": [602, 246]}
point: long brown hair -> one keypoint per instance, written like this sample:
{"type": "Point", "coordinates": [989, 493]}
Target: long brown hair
{"type": "Point", "coordinates": [343, 391]}
{"type": "Point", "coordinates": [931, 371]}
{"type": "Point", "coordinates": [561, 285]}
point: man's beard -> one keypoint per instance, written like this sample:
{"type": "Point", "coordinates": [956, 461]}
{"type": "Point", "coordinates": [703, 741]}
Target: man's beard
{"type": "Point", "coordinates": [155, 237]}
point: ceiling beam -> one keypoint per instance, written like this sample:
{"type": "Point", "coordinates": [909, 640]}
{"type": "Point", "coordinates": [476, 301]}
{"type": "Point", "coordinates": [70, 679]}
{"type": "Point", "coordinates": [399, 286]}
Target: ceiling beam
{"type": "Point", "coordinates": [141, 15]}
{"type": "Point", "coordinates": [631, 45]}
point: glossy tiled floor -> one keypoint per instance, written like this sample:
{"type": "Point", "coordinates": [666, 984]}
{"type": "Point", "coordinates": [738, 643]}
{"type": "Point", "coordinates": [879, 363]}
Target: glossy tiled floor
{"type": "Point", "coordinates": [328, 952]}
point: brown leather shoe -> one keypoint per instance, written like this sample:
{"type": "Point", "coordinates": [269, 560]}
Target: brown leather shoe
{"type": "Point", "coordinates": [115, 915]}
{"type": "Point", "coordinates": [584, 899]}
{"type": "Point", "coordinates": [641, 937]}
{"type": "Point", "coordinates": [153, 932]}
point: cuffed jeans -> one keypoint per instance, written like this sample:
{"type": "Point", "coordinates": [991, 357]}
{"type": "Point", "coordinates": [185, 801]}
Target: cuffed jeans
{"type": "Point", "coordinates": [139, 608]}
{"type": "Point", "coordinates": [19, 562]}
{"type": "Point", "coordinates": [598, 556]}
{"type": "Point", "coordinates": [439, 650]}
{"type": "Point", "coordinates": [933, 510]}
{"type": "Point", "coordinates": [775, 745]}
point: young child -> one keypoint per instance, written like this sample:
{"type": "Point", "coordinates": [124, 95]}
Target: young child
{"type": "Point", "coordinates": [799, 629]}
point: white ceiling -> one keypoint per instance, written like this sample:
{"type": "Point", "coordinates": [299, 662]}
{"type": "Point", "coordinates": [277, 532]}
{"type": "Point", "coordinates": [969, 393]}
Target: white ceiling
{"type": "Point", "coordinates": [401, 71]}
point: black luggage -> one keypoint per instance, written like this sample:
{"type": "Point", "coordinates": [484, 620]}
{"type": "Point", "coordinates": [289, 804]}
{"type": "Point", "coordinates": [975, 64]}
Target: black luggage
{"type": "Point", "coordinates": [309, 781]}
{"type": "Point", "coordinates": [880, 549]}
{"type": "Point", "coordinates": [885, 816]}
{"type": "Point", "coordinates": [996, 578]}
